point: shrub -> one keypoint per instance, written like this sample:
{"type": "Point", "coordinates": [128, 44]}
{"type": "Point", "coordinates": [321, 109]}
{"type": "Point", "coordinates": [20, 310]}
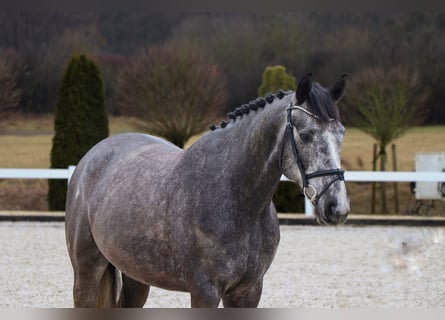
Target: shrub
{"type": "Point", "coordinates": [10, 93]}
{"type": "Point", "coordinates": [288, 198]}
{"type": "Point", "coordinates": [174, 90]}
{"type": "Point", "coordinates": [275, 78]}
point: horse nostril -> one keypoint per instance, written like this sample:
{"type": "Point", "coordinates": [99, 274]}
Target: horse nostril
{"type": "Point", "coordinates": [331, 208]}
{"type": "Point", "coordinates": [334, 214]}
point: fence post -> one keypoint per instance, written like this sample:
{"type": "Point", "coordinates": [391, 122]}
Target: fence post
{"type": "Point", "coordinates": [308, 208]}
{"type": "Point", "coordinates": [396, 188]}
{"type": "Point", "coordinates": [70, 172]}
{"type": "Point", "coordinates": [374, 168]}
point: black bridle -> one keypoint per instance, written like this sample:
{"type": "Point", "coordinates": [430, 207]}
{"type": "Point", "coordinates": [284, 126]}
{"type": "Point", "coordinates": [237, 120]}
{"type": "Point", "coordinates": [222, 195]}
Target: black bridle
{"type": "Point", "coordinates": [337, 173]}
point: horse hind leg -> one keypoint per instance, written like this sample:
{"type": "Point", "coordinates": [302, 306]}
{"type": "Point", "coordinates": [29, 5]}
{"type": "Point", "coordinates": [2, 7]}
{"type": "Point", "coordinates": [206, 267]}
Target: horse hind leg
{"type": "Point", "coordinates": [107, 289]}
{"type": "Point", "coordinates": [244, 298]}
{"type": "Point", "coordinates": [204, 294]}
{"type": "Point", "coordinates": [101, 290]}
{"type": "Point", "coordinates": [133, 294]}
{"type": "Point", "coordinates": [94, 286]}
{"type": "Point", "coordinates": [94, 276]}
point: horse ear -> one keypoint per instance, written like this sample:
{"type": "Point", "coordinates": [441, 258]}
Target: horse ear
{"type": "Point", "coordinates": [304, 88]}
{"type": "Point", "coordinates": [338, 88]}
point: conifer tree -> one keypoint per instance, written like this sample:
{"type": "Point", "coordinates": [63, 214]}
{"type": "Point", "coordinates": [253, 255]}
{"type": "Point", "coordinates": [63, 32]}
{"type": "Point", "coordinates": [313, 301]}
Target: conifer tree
{"type": "Point", "coordinates": [80, 122]}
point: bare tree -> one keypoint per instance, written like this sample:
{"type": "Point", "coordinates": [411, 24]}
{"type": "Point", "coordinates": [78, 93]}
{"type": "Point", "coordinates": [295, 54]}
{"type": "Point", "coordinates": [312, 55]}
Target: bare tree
{"type": "Point", "coordinates": [385, 103]}
{"type": "Point", "coordinates": [10, 93]}
{"type": "Point", "coordinates": [174, 90]}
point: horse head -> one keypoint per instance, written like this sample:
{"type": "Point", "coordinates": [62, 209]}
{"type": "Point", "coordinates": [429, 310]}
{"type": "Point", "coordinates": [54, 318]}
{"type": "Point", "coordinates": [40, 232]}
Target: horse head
{"type": "Point", "coordinates": [311, 154]}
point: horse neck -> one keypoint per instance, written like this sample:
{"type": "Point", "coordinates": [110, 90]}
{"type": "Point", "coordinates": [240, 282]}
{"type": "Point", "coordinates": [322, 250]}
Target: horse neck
{"type": "Point", "coordinates": [246, 155]}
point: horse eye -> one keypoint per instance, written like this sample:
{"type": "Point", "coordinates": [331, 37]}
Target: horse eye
{"type": "Point", "coordinates": [304, 137]}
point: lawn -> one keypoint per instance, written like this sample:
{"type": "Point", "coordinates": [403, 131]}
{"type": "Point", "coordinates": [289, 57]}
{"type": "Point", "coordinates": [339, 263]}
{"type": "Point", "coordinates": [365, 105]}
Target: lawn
{"type": "Point", "coordinates": [357, 147]}
{"type": "Point", "coordinates": [26, 143]}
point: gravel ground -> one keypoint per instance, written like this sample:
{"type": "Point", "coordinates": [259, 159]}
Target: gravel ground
{"type": "Point", "coordinates": [332, 267]}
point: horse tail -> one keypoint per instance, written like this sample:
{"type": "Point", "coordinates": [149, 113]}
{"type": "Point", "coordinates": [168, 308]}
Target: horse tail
{"type": "Point", "coordinates": [108, 288]}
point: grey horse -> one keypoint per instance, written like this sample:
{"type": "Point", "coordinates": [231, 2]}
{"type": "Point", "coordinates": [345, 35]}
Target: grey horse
{"type": "Point", "coordinates": [142, 212]}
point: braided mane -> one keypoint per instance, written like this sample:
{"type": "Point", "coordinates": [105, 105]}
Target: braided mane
{"type": "Point", "coordinates": [319, 102]}
{"type": "Point", "coordinates": [253, 105]}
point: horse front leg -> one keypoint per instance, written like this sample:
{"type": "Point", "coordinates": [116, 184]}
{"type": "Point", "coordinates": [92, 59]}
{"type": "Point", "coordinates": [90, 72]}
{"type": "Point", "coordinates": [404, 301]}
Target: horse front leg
{"type": "Point", "coordinates": [243, 298]}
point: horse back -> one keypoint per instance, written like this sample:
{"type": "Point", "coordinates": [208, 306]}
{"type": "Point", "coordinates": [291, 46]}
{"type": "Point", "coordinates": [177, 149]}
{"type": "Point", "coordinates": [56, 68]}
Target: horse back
{"type": "Point", "coordinates": [113, 159]}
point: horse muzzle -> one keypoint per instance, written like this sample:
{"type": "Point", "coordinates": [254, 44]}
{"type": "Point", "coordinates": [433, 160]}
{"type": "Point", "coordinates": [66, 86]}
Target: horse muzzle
{"type": "Point", "coordinates": [331, 213]}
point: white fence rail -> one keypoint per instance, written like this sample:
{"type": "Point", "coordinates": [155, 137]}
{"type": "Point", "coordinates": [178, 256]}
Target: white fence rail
{"type": "Point", "coordinates": [37, 173]}
{"type": "Point", "coordinates": [350, 176]}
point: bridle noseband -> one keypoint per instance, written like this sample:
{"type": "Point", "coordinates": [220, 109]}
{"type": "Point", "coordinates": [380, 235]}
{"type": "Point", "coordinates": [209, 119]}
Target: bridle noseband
{"type": "Point", "coordinates": [309, 191]}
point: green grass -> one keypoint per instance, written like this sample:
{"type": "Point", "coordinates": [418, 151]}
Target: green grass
{"type": "Point", "coordinates": [26, 143]}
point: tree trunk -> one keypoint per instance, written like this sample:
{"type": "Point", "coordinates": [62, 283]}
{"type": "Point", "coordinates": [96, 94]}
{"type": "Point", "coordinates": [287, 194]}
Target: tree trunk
{"type": "Point", "coordinates": [382, 154]}
{"type": "Point", "coordinates": [396, 188]}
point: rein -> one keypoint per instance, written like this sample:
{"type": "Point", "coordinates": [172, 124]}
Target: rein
{"type": "Point", "coordinates": [309, 191]}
